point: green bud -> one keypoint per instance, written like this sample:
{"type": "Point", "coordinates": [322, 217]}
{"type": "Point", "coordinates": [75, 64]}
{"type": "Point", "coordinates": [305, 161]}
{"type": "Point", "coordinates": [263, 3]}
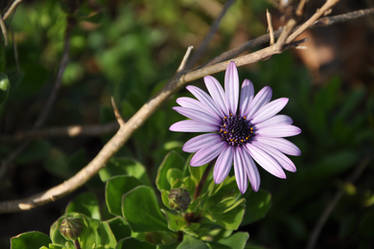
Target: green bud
{"type": "Point", "coordinates": [4, 82]}
{"type": "Point", "coordinates": [71, 228]}
{"type": "Point", "coordinates": [179, 199]}
{"type": "Point", "coordinates": [4, 87]}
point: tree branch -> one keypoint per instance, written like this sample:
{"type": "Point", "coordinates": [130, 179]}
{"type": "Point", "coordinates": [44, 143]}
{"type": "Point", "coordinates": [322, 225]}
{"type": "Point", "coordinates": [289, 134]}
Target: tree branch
{"type": "Point", "coordinates": [68, 131]}
{"type": "Point", "coordinates": [213, 29]}
{"type": "Point", "coordinates": [3, 30]}
{"type": "Point", "coordinates": [125, 131]}
{"type": "Point", "coordinates": [11, 9]}
{"type": "Point", "coordinates": [332, 204]}
{"type": "Point", "coordinates": [263, 39]}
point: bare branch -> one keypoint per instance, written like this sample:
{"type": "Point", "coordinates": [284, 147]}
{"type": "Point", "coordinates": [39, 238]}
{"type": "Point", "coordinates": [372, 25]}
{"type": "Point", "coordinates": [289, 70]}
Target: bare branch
{"type": "Point", "coordinates": [263, 39]}
{"type": "Point", "coordinates": [61, 69]}
{"type": "Point", "coordinates": [68, 131]}
{"type": "Point", "coordinates": [300, 8]}
{"type": "Point", "coordinates": [213, 29]}
{"type": "Point", "coordinates": [185, 58]}
{"type": "Point", "coordinates": [11, 8]}
{"type": "Point", "coordinates": [3, 30]}
{"type": "Point", "coordinates": [320, 12]}
{"type": "Point", "coordinates": [332, 204]}
{"type": "Point", "coordinates": [285, 32]}
{"type": "Point", "coordinates": [326, 21]}
{"type": "Point", "coordinates": [270, 27]}
{"type": "Point", "coordinates": [117, 114]}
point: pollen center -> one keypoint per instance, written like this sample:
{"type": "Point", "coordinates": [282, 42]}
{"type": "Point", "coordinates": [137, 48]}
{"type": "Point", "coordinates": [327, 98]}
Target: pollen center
{"type": "Point", "coordinates": [236, 130]}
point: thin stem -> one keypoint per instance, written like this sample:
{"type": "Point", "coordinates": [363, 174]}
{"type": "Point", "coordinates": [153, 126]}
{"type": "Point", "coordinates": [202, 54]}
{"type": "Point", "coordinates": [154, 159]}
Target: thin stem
{"type": "Point", "coordinates": [200, 186]}
{"type": "Point", "coordinates": [332, 204]}
{"type": "Point", "coordinates": [77, 245]}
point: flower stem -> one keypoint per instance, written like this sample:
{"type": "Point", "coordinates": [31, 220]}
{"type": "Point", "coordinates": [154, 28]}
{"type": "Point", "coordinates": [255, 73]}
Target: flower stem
{"type": "Point", "coordinates": [77, 245]}
{"type": "Point", "coordinates": [200, 186]}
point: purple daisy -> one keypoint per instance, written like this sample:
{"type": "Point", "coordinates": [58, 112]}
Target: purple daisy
{"type": "Point", "coordinates": [240, 130]}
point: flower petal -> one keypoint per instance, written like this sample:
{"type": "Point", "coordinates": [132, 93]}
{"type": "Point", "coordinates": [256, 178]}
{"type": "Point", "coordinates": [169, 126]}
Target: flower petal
{"type": "Point", "coordinates": [204, 98]}
{"type": "Point", "coordinates": [251, 170]}
{"type": "Point", "coordinates": [232, 87]}
{"type": "Point", "coordinates": [192, 126]}
{"type": "Point", "coordinates": [269, 110]}
{"type": "Point", "coordinates": [283, 160]}
{"type": "Point", "coordinates": [279, 131]}
{"type": "Point", "coordinates": [246, 96]}
{"type": "Point", "coordinates": [223, 165]}
{"type": "Point", "coordinates": [281, 144]}
{"type": "Point", "coordinates": [274, 121]}
{"type": "Point", "coordinates": [266, 161]}
{"type": "Point", "coordinates": [201, 141]}
{"type": "Point", "coordinates": [207, 154]}
{"type": "Point", "coordinates": [196, 115]}
{"type": "Point", "coordinates": [216, 91]}
{"type": "Point", "coordinates": [194, 104]}
{"type": "Point", "coordinates": [240, 176]}
{"type": "Point", "coordinates": [261, 98]}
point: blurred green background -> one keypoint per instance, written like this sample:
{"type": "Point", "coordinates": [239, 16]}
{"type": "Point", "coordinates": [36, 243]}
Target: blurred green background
{"type": "Point", "coordinates": [129, 49]}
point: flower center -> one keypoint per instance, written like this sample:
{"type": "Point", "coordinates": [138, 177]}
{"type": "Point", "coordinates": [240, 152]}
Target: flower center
{"type": "Point", "coordinates": [236, 130]}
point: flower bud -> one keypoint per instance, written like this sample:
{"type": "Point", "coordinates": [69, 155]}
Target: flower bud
{"type": "Point", "coordinates": [71, 228]}
{"type": "Point", "coordinates": [179, 199]}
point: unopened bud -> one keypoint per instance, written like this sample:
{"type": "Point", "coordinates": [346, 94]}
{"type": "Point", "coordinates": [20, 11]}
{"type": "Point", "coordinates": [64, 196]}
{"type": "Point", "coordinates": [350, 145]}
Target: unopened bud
{"type": "Point", "coordinates": [71, 228]}
{"type": "Point", "coordinates": [179, 199]}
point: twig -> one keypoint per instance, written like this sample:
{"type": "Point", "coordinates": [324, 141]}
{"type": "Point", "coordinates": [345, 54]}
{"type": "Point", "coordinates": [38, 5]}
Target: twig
{"type": "Point", "coordinates": [285, 32]}
{"type": "Point", "coordinates": [332, 204]}
{"type": "Point", "coordinates": [3, 30]}
{"type": "Point", "coordinates": [124, 133]}
{"type": "Point", "coordinates": [320, 12]}
{"type": "Point", "coordinates": [15, 51]}
{"type": "Point", "coordinates": [270, 27]}
{"type": "Point", "coordinates": [117, 114]}
{"type": "Point", "coordinates": [185, 58]}
{"type": "Point", "coordinates": [325, 21]}
{"type": "Point", "coordinates": [300, 7]}
{"type": "Point", "coordinates": [263, 39]}
{"type": "Point", "coordinates": [11, 9]}
{"type": "Point", "coordinates": [61, 69]}
{"type": "Point", "coordinates": [68, 131]}
{"type": "Point", "coordinates": [213, 29]}
{"type": "Point", "coordinates": [51, 99]}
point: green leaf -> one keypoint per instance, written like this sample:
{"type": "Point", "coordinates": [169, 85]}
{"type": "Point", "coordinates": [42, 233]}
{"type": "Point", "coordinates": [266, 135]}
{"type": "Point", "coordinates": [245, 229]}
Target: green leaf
{"type": "Point", "coordinates": [197, 172]}
{"type": "Point", "coordinates": [190, 242]}
{"type": "Point", "coordinates": [115, 188]}
{"type": "Point", "coordinates": [176, 222]}
{"type": "Point", "coordinates": [235, 241]}
{"type": "Point", "coordinates": [174, 177]}
{"type": "Point", "coordinates": [142, 212]}
{"type": "Point", "coordinates": [124, 166]}
{"type": "Point", "coordinates": [85, 203]}
{"type": "Point", "coordinates": [129, 243]}
{"type": "Point", "coordinates": [226, 206]}
{"type": "Point", "coordinates": [171, 160]}
{"type": "Point", "coordinates": [29, 240]}
{"type": "Point", "coordinates": [257, 206]}
{"type": "Point", "coordinates": [119, 227]}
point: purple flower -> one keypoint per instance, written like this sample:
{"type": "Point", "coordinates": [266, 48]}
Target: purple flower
{"type": "Point", "coordinates": [241, 129]}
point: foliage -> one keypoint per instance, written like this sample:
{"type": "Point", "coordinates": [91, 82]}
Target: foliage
{"type": "Point", "coordinates": [138, 219]}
